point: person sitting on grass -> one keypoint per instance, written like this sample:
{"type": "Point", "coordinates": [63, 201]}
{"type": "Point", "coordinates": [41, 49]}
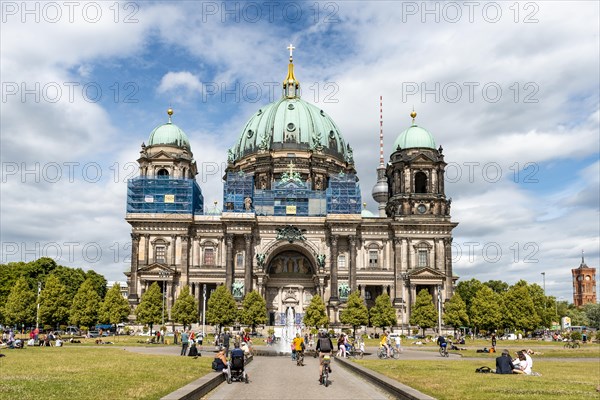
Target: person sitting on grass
{"type": "Point", "coordinates": [523, 367]}
{"type": "Point", "coordinates": [504, 364]}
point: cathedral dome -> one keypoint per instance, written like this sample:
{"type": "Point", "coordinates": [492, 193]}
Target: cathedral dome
{"type": "Point", "coordinates": [414, 137]}
{"type": "Point", "coordinates": [168, 134]}
{"type": "Point", "coordinates": [291, 123]}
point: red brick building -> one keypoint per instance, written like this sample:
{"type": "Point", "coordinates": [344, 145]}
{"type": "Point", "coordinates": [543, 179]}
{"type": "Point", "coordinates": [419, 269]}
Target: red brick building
{"type": "Point", "coordinates": [584, 284]}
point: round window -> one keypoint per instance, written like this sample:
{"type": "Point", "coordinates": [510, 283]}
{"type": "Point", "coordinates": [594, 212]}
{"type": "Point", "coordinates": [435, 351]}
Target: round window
{"type": "Point", "coordinates": [291, 127]}
{"type": "Point", "coordinates": [290, 107]}
{"type": "Point", "coordinates": [250, 133]}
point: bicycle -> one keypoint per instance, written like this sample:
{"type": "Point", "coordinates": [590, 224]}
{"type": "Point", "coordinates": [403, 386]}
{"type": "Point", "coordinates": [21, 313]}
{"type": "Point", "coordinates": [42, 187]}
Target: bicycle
{"type": "Point", "coordinates": [382, 353]}
{"type": "Point", "coordinates": [300, 358]}
{"type": "Point", "coordinates": [572, 345]}
{"type": "Point", "coordinates": [444, 350]}
{"type": "Point", "coordinates": [355, 353]}
{"type": "Point", "coordinates": [325, 372]}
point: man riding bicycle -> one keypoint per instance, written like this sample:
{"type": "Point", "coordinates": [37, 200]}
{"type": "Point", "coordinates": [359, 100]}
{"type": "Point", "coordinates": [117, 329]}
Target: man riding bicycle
{"type": "Point", "coordinates": [324, 348]}
{"type": "Point", "coordinates": [299, 347]}
{"type": "Point", "coordinates": [384, 343]}
{"type": "Point", "coordinates": [441, 341]}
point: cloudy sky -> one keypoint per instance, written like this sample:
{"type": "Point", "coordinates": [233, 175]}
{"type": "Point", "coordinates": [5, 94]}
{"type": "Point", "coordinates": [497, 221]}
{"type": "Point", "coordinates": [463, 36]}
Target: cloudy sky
{"type": "Point", "coordinates": [510, 90]}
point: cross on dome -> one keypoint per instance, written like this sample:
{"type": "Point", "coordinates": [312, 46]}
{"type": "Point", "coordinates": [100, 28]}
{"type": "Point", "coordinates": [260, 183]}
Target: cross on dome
{"type": "Point", "coordinates": [291, 49]}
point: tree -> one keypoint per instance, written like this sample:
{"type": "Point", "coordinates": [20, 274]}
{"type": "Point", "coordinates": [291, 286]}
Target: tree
{"type": "Point", "coordinates": [149, 311]}
{"type": "Point", "coordinates": [20, 306]}
{"type": "Point", "coordinates": [86, 304]}
{"type": "Point", "coordinates": [423, 313]}
{"type": "Point", "coordinates": [467, 290]}
{"type": "Point", "coordinates": [72, 278]}
{"type": "Point", "coordinates": [98, 281]}
{"type": "Point", "coordinates": [382, 314]}
{"type": "Point", "coordinates": [578, 317]}
{"type": "Point", "coordinates": [254, 310]}
{"type": "Point", "coordinates": [518, 309]}
{"type": "Point", "coordinates": [486, 309]}
{"type": "Point", "coordinates": [115, 308]}
{"type": "Point", "coordinates": [455, 312]}
{"type": "Point", "coordinates": [356, 313]}
{"type": "Point", "coordinates": [316, 314]}
{"type": "Point", "coordinates": [222, 308]}
{"type": "Point", "coordinates": [497, 286]}
{"type": "Point", "coordinates": [541, 303]}
{"type": "Point", "coordinates": [185, 309]}
{"type": "Point", "coordinates": [592, 311]}
{"type": "Point", "coordinates": [54, 302]}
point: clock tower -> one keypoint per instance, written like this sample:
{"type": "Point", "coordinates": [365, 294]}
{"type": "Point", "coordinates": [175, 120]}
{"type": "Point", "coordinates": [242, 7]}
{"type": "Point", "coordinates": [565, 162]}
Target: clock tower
{"type": "Point", "coordinates": [584, 284]}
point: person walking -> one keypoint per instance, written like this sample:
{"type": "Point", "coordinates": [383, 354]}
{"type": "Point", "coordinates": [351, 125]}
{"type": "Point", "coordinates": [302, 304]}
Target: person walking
{"type": "Point", "coordinates": [226, 339]}
{"type": "Point", "coordinates": [184, 342]}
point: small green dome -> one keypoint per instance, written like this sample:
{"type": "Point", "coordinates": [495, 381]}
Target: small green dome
{"type": "Point", "coordinates": [415, 137]}
{"type": "Point", "coordinates": [168, 134]}
{"type": "Point", "coordinates": [367, 214]}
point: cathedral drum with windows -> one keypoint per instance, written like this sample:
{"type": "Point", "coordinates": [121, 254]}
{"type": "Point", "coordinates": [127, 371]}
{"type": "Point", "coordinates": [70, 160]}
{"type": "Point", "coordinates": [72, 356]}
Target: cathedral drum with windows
{"type": "Point", "coordinates": [291, 223]}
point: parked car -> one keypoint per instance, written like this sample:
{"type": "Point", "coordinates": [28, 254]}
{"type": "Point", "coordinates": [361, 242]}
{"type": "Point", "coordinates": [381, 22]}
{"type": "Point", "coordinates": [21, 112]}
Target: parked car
{"type": "Point", "coordinates": [72, 330]}
{"type": "Point", "coordinates": [509, 336]}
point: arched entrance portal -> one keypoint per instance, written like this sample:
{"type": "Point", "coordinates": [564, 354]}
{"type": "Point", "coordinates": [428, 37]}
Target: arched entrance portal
{"type": "Point", "coordinates": [290, 287]}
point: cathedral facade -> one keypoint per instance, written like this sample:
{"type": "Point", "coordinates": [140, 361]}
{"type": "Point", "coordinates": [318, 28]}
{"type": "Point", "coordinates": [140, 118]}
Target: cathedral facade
{"type": "Point", "coordinates": [291, 224]}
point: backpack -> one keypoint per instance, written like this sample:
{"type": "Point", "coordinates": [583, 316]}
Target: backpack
{"type": "Point", "coordinates": [483, 370]}
{"type": "Point", "coordinates": [324, 345]}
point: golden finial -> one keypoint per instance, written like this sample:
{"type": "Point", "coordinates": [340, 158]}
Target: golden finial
{"type": "Point", "coordinates": [413, 115]}
{"type": "Point", "coordinates": [365, 206]}
{"type": "Point", "coordinates": [291, 84]}
{"type": "Point", "coordinates": [215, 203]}
{"type": "Point", "coordinates": [170, 112]}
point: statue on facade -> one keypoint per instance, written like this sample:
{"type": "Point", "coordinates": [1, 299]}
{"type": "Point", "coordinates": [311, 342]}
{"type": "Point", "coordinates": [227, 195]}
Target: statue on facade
{"type": "Point", "coordinates": [247, 204]}
{"type": "Point", "coordinates": [230, 157]}
{"type": "Point", "coordinates": [321, 260]}
{"type": "Point", "coordinates": [238, 289]}
{"type": "Point", "coordinates": [260, 259]}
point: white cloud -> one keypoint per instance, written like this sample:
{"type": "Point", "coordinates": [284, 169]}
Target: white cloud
{"type": "Point", "coordinates": [375, 49]}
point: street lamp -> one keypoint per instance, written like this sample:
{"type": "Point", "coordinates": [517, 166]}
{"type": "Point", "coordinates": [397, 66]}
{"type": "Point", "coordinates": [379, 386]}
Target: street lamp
{"type": "Point", "coordinates": [204, 311]}
{"type": "Point", "coordinates": [439, 294]}
{"type": "Point", "coordinates": [37, 318]}
{"type": "Point", "coordinates": [164, 276]}
{"type": "Point", "coordinates": [544, 280]}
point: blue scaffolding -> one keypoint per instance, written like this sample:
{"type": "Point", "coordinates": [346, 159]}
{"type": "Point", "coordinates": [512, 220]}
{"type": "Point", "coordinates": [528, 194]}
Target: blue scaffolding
{"type": "Point", "coordinates": [164, 196]}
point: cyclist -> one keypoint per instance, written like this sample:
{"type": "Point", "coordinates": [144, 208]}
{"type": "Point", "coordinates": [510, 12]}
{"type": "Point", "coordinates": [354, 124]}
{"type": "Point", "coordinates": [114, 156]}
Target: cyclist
{"type": "Point", "coordinates": [299, 346]}
{"type": "Point", "coordinates": [441, 341]}
{"type": "Point", "coordinates": [324, 348]}
{"type": "Point", "coordinates": [384, 343]}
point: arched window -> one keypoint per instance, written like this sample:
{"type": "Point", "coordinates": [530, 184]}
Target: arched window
{"type": "Point", "coordinates": [420, 182]}
{"type": "Point", "coordinates": [162, 173]}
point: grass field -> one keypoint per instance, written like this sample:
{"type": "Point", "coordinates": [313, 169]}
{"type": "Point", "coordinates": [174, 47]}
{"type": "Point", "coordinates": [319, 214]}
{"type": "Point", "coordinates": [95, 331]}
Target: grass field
{"type": "Point", "coordinates": [457, 380]}
{"type": "Point", "coordinates": [86, 372]}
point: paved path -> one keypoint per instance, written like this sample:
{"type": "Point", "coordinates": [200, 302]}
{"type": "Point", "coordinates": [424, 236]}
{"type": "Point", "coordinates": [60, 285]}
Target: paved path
{"type": "Point", "coordinates": [279, 378]}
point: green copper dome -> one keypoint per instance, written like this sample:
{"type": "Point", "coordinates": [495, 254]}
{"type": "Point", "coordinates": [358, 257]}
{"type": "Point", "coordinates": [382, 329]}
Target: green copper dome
{"type": "Point", "coordinates": [293, 124]}
{"type": "Point", "coordinates": [414, 137]}
{"type": "Point", "coordinates": [168, 134]}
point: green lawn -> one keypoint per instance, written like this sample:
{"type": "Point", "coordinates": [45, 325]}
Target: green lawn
{"type": "Point", "coordinates": [456, 379]}
{"type": "Point", "coordinates": [86, 372]}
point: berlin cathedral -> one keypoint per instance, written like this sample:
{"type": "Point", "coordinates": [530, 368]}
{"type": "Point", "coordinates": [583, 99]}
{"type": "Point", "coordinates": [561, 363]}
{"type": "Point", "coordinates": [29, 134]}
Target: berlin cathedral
{"type": "Point", "coordinates": [292, 222]}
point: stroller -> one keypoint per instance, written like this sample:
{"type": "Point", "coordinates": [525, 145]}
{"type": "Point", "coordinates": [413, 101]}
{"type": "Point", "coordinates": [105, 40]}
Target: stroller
{"type": "Point", "coordinates": [236, 371]}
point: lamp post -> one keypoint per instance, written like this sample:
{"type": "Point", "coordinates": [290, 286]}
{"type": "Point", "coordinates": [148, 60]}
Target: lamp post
{"type": "Point", "coordinates": [439, 295]}
{"type": "Point", "coordinates": [544, 282]}
{"type": "Point", "coordinates": [37, 318]}
{"type": "Point", "coordinates": [403, 275]}
{"type": "Point", "coordinates": [204, 310]}
{"type": "Point", "coordinates": [164, 276]}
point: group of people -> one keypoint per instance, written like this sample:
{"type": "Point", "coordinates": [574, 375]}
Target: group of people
{"type": "Point", "coordinates": [236, 362]}
{"type": "Point", "coordinates": [385, 341]}
{"type": "Point", "coordinates": [522, 364]}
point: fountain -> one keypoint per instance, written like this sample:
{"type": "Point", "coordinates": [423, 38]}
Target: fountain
{"type": "Point", "coordinates": [288, 332]}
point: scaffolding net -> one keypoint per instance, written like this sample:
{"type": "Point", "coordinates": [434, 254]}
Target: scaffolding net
{"type": "Point", "coordinates": [164, 196]}
{"type": "Point", "coordinates": [291, 196]}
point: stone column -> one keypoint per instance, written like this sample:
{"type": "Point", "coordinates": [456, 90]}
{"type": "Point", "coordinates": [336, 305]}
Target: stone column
{"type": "Point", "coordinates": [229, 261]}
{"type": "Point", "coordinates": [333, 296]}
{"type": "Point", "coordinates": [173, 249]}
{"type": "Point", "coordinates": [397, 266]}
{"type": "Point", "coordinates": [248, 264]}
{"type": "Point", "coordinates": [146, 249]}
{"type": "Point", "coordinates": [133, 284]}
{"type": "Point", "coordinates": [196, 246]}
{"type": "Point", "coordinates": [362, 292]}
{"type": "Point", "coordinates": [352, 262]}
